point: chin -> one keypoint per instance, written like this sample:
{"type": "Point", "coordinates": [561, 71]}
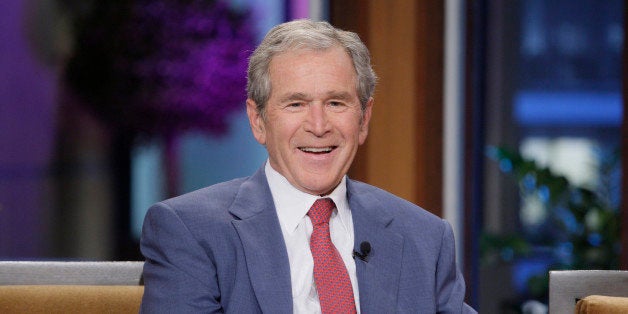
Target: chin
{"type": "Point", "coordinates": [318, 188]}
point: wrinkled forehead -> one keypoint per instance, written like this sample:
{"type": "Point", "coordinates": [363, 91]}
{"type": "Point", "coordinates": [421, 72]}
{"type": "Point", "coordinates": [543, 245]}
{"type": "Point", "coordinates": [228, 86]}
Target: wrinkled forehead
{"type": "Point", "coordinates": [306, 51]}
{"type": "Point", "coordinates": [292, 60]}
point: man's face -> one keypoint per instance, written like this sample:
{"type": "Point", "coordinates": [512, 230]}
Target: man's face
{"type": "Point", "coordinates": [313, 123]}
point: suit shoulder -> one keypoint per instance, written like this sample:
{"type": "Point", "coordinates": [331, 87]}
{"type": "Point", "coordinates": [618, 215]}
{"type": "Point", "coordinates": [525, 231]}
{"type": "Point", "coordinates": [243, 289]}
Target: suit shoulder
{"type": "Point", "coordinates": [396, 205]}
{"type": "Point", "coordinates": [217, 196]}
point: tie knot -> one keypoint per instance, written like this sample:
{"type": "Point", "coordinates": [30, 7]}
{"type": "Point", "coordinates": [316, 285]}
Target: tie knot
{"type": "Point", "coordinates": [321, 210]}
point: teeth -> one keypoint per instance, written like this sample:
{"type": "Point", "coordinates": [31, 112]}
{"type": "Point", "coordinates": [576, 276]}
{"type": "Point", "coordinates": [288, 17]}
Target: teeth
{"type": "Point", "coordinates": [316, 149]}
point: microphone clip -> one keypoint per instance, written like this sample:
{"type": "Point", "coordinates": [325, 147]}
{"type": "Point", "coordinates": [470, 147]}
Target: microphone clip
{"type": "Point", "coordinates": [365, 250]}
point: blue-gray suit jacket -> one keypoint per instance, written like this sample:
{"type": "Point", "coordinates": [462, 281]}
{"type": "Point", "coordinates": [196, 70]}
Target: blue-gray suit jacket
{"type": "Point", "coordinates": [220, 249]}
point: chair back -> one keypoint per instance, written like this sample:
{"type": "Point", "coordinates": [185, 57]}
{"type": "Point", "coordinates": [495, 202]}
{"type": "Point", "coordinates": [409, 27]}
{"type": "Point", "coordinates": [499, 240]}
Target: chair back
{"type": "Point", "coordinates": [70, 287]}
{"type": "Point", "coordinates": [566, 287]}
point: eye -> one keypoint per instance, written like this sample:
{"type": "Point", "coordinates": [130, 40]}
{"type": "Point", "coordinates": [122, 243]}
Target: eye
{"type": "Point", "coordinates": [337, 106]}
{"type": "Point", "coordinates": [294, 106]}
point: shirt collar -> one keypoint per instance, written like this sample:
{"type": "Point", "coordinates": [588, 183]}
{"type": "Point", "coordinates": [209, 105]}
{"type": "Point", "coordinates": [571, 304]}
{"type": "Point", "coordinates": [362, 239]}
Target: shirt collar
{"type": "Point", "coordinates": [292, 204]}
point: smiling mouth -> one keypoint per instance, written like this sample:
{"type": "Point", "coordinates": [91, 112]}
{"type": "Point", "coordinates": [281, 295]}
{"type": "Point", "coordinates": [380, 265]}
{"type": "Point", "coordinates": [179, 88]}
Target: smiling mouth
{"type": "Point", "coordinates": [317, 150]}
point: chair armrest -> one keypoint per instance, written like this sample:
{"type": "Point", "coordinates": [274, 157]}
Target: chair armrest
{"type": "Point", "coordinates": [598, 304]}
{"type": "Point", "coordinates": [70, 299]}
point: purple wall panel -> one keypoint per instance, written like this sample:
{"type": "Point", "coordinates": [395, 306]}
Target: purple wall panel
{"type": "Point", "coordinates": [299, 9]}
{"type": "Point", "coordinates": [27, 109]}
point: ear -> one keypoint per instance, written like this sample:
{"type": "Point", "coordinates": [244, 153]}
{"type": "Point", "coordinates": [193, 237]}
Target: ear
{"type": "Point", "coordinates": [364, 124]}
{"type": "Point", "coordinates": [256, 121]}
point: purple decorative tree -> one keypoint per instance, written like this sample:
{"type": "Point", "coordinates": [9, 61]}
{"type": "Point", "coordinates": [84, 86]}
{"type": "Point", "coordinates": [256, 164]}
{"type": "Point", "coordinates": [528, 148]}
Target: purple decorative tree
{"type": "Point", "coordinates": [157, 68]}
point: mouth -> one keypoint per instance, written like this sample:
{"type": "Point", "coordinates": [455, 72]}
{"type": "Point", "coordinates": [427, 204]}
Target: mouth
{"type": "Point", "coordinates": [318, 150]}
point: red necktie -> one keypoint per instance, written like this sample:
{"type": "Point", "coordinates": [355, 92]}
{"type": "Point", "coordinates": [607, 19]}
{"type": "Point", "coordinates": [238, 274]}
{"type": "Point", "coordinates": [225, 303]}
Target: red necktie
{"type": "Point", "coordinates": [330, 275]}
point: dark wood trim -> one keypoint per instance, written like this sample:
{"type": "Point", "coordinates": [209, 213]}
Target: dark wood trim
{"type": "Point", "coordinates": [358, 22]}
{"type": "Point", "coordinates": [351, 15]}
{"type": "Point", "coordinates": [429, 69]}
{"type": "Point", "coordinates": [404, 150]}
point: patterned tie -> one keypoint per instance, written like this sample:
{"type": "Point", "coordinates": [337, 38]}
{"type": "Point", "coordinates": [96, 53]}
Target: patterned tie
{"type": "Point", "coordinates": [330, 275]}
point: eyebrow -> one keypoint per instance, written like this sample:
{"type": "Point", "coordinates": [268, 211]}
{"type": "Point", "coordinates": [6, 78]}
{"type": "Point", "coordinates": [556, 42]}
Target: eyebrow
{"type": "Point", "coordinates": [294, 96]}
{"type": "Point", "coordinates": [341, 95]}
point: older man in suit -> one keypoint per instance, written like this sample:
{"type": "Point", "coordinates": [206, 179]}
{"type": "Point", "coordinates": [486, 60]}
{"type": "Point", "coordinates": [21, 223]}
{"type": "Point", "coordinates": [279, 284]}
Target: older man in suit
{"type": "Point", "coordinates": [298, 236]}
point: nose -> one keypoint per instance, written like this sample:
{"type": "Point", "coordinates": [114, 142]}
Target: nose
{"type": "Point", "coordinates": [317, 120]}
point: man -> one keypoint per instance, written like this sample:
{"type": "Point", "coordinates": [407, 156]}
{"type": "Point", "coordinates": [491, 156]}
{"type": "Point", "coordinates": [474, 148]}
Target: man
{"type": "Point", "coordinates": [267, 243]}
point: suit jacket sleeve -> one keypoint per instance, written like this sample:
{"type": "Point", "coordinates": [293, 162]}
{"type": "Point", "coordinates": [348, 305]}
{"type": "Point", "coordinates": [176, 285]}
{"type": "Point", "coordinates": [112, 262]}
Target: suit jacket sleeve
{"type": "Point", "coordinates": [449, 280]}
{"type": "Point", "coordinates": [179, 276]}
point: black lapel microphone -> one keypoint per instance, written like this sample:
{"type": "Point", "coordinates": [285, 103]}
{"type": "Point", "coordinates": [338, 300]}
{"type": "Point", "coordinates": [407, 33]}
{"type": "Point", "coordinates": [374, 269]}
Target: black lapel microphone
{"type": "Point", "coordinates": [365, 250]}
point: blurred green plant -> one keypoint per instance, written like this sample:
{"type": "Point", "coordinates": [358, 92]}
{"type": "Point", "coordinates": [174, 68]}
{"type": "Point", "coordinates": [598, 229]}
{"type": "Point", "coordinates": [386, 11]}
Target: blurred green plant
{"type": "Point", "coordinates": [584, 222]}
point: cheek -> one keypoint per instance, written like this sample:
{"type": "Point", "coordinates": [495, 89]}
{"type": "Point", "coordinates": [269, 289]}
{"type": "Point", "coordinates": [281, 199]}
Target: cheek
{"type": "Point", "coordinates": [284, 130]}
{"type": "Point", "coordinates": [278, 138]}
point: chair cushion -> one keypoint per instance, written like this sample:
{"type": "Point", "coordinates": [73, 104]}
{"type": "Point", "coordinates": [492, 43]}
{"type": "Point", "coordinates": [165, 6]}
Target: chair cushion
{"type": "Point", "coordinates": [70, 299]}
{"type": "Point", "coordinates": [602, 304]}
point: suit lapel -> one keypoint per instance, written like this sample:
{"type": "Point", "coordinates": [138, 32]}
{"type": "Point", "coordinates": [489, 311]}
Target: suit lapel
{"type": "Point", "coordinates": [263, 244]}
{"type": "Point", "coordinates": [378, 278]}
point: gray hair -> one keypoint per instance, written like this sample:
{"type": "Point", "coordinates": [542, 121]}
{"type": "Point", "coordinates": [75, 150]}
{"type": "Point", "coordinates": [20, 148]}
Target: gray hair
{"type": "Point", "coordinates": [307, 34]}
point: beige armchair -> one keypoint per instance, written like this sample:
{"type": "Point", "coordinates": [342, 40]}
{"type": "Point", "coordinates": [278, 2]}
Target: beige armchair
{"type": "Point", "coordinates": [601, 304]}
{"type": "Point", "coordinates": [70, 287]}
{"type": "Point", "coordinates": [568, 287]}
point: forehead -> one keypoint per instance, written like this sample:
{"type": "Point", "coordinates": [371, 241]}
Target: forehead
{"type": "Point", "coordinates": [303, 54]}
{"type": "Point", "coordinates": [331, 66]}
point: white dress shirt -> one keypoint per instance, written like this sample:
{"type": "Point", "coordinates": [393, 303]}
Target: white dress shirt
{"type": "Point", "coordinates": [292, 206]}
